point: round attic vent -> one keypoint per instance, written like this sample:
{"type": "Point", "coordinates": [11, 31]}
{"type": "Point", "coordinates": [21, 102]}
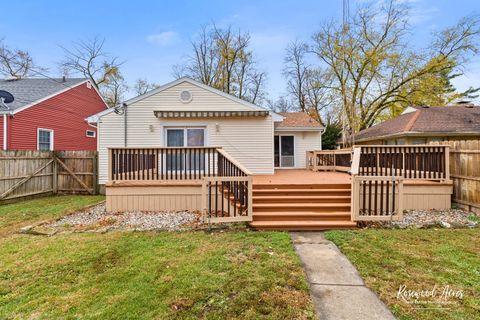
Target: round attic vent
{"type": "Point", "coordinates": [185, 96]}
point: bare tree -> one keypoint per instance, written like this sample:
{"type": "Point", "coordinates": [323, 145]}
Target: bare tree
{"type": "Point", "coordinates": [16, 63]}
{"type": "Point", "coordinates": [203, 64]}
{"type": "Point", "coordinates": [114, 89]}
{"type": "Point", "coordinates": [308, 86]}
{"type": "Point", "coordinates": [221, 59]}
{"type": "Point", "coordinates": [89, 59]}
{"type": "Point", "coordinates": [282, 104]}
{"type": "Point", "coordinates": [295, 71]}
{"type": "Point", "coordinates": [142, 86]}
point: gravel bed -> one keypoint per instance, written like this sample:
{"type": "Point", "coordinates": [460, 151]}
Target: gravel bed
{"type": "Point", "coordinates": [96, 217]}
{"type": "Point", "coordinates": [450, 218]}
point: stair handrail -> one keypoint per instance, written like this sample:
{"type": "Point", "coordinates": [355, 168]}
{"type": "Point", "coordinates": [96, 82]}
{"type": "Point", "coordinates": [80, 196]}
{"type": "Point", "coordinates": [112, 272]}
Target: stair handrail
{"type": "Point", "coordinates": [227, 156]}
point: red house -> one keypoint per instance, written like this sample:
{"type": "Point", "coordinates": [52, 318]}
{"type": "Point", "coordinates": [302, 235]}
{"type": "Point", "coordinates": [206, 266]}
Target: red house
{"type": "Point", "coordinates": [49, 114]}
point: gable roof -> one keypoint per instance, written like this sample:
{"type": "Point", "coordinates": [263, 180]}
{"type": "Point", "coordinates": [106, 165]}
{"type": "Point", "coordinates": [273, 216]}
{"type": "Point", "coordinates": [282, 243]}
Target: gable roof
{"type": "Point", "coordinates": [427, 120]}
{"type": "Point", "coordinates": [298, 120]}
{"type": "Point", "coordinates": [94, 118]}
{"type": "Point", "coordinates": [29, 92]}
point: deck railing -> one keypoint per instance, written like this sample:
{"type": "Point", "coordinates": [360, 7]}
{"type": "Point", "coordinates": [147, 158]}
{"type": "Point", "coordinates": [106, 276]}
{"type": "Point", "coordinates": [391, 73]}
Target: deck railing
{"type": "Point", "coordinates": [336, 160]}
{"type": "Point", "coordinates": [422, 162]}
{"type": "Point", "coordinates": [170, 163]}
{"type": "Point", "coordinates": [378, 173]}
{"type": "Point", "coordinates": [377, 198]}
{"type": "Point", "coordinates": [226, 184]}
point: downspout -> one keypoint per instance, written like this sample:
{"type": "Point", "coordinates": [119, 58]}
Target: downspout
{"type": "Point", "coordinates": [125, 140]}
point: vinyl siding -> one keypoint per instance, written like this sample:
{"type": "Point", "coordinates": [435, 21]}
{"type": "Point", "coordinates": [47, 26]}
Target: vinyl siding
{"type": "Point", "coordinates": [65, 114]}
{"type": "Point", "coordinates": [202, 100]}
{"type": "Point", "coordinates": [248, 140]}
{"type": "Point", "coordinates": [304, 141]}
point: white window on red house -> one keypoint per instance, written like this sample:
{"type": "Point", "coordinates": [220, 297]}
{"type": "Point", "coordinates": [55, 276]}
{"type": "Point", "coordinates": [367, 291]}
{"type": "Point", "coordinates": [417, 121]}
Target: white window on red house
{"type": "Point", "coordinates": [90, 133]}
{"type": "Point", "coordinates": [45, 139]}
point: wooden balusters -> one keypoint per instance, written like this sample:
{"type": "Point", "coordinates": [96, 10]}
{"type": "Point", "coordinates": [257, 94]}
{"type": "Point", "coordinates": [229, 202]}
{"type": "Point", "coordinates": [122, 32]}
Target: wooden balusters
{"type": "Point", "coordinates": [411, 162]}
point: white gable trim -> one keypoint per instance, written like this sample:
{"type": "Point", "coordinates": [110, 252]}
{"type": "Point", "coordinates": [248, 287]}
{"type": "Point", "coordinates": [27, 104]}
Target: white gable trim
{"type": "Point", "coordinates": [94, 118]}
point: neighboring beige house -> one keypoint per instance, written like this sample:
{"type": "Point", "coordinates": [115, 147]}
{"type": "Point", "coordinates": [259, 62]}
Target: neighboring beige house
{"type": "Point", "coordinates": [187, 113]}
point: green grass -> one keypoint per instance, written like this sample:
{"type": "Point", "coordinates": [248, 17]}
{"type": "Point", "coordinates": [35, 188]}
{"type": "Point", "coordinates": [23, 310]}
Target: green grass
{"type": "Point", "coordinates": [236, 274]}
{"type": "Point", "coordinates": [17, 215]}
{"type": "Point", "coordinates": [419, 259]}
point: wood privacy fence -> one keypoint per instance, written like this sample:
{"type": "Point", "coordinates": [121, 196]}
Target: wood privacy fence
{"type": "Point", "coordinates": [26, 173]}
{"type": "Point", "coordinates": [465, 171]}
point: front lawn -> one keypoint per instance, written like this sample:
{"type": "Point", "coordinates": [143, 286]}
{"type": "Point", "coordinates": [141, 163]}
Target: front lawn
{"type": "Point", "coordinates": [418, 259]}
{"type": "Point", "coordinates": [152, 275]}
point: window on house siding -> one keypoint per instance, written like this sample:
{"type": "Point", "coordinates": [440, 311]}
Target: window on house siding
{"type": "Point", "coordinates": [45, 139]}
{"type": "Point", "coordinates": [390, 142]}
{"type": "Point", "coordinates": [419, 141]}
{"type": "Point", "coordinates": [90, 133]}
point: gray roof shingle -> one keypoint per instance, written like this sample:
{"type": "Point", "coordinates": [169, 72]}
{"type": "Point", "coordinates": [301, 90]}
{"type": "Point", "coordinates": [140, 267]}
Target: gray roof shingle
{"type": "Point", "coordinates": [26, 91]}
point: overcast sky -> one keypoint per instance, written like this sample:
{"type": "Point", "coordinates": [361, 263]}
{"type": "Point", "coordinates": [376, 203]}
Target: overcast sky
{"type": "Point", "coordinates": [152, 36]}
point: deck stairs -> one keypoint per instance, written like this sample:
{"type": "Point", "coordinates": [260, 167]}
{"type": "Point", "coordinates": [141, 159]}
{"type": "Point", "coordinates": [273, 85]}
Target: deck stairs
{"type": "Point", "coordinates": [301, 206]}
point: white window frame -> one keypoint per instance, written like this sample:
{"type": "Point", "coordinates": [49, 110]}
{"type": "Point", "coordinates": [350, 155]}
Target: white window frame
{"type": "Point", "coordinates": [185, 128]}
{"type": "Point", "coordinates": [93, 131]}
{"type": "Point", "coordinates": [51, 138]}
{"type": "Point", "coordinates": [185, 138]}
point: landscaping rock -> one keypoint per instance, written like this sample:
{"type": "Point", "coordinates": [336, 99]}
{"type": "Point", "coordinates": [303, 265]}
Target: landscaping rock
{"type": "Point", "coordinates": [445, 224]}
{"type": "Point", "coordinates": [449, 218]}
{"type": "Point", "coordinates": [98, 219]}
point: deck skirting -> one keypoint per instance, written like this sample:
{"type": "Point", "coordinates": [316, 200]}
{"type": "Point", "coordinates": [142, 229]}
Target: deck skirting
{"type": "Point", "coordinates": [427, 196]}
{"type": "Point", "coordinates": [154, 198]}
{"type": "Point", "coordinates": [289, 200]}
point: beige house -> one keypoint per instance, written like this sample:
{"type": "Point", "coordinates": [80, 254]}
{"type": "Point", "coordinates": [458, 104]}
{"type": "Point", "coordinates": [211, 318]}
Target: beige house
{"type": "Point", "coordinates": [187, 146]}
{"type": "Point", "coordinates": [186, 113]}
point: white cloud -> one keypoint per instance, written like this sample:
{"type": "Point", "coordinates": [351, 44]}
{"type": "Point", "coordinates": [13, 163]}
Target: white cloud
{"type": "Point", "coordinates": [165, 38]}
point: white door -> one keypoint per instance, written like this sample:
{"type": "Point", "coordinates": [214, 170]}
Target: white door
{"type": "Point", "coordinates": [284, 151]}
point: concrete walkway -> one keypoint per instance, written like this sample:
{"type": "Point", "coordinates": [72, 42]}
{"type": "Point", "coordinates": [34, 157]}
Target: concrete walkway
{"type": "Point", "coordinates": [338, 291]}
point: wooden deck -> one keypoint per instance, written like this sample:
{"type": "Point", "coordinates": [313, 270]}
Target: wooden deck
{"type": "Point", "coordinates": [302, 200]}
{"type": "Point", "coordinates": [301, 176]}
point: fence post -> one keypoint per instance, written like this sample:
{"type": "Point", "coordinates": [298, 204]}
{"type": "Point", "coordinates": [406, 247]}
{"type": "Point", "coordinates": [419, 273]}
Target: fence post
{"type": "Point", "coordinates": [110, 159]}
{"type": "Point", "coordinates": [95, 172]}
{"type": "Point", "coordinates": [447, 163]}
{"type": "Point", "coordinates": [54, 173]}
{"type": "Point", "coordinates": [400, 199]}
{"type": "Point", "coordinates": [356, 161]}
{"type": "Point", "coordinates": [355, 198]}
{"type": "Point", "coordinates": [204, 199]}
{"type": "Point", "coordinates": [334, 161]}
{"type": "Point", "coordinates": [250, 197]}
